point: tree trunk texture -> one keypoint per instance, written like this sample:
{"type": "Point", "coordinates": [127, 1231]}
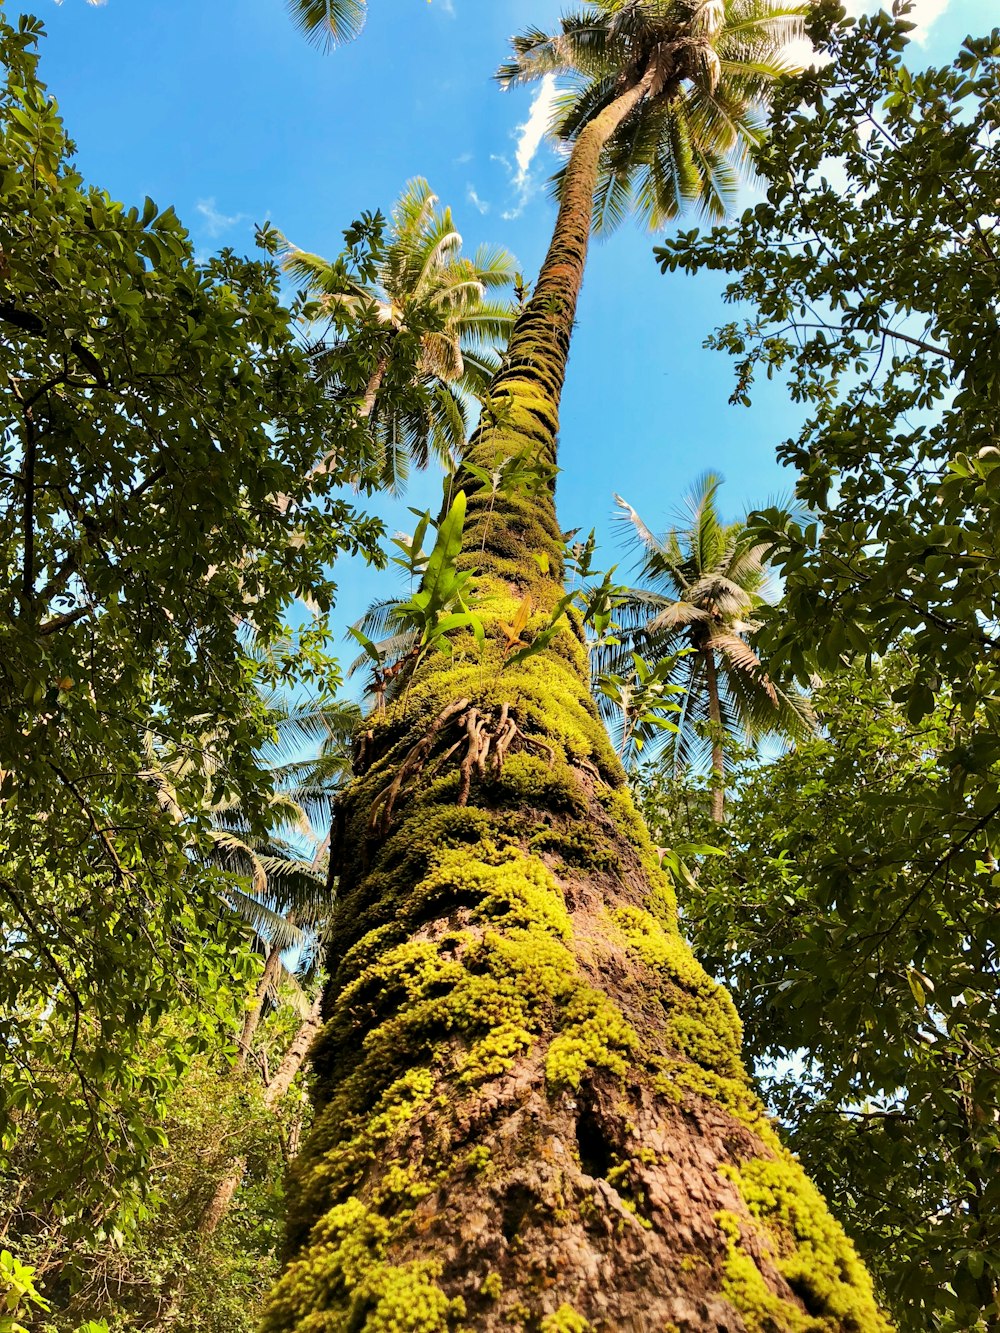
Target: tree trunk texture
{"type": "Point", "coordinates": [531, 1110]}
{"type": "Point", "coordinates": [275, 1092]}
{"type": "Point", "coordinates": [251, 1019]}
{"type": "Point", "coordinates": [718, 755]}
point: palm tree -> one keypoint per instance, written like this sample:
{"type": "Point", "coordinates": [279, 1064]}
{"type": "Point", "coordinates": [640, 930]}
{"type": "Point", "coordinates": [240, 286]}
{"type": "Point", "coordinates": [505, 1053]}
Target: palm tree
{"type": "Point", "coordinates": [531, 1109]}
{"type": "Point", "coordinates": [439, 327]}
{"type": "Point", "coordinates": [285, 898]}
{"type": "Point", "coordinates": [702, 586]}
{"type": "Point", "coordinates": [327, 23]}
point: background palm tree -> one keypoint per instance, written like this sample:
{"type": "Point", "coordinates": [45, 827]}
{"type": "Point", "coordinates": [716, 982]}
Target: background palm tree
{"type": "Point", "coordinates": [702, 586]}
{"type": "Point", "coordinates": [285, 898]}
{"type": "Point", "coordinates": [326, 23]}
{"type": "Point", "coordinates": [439, 328]}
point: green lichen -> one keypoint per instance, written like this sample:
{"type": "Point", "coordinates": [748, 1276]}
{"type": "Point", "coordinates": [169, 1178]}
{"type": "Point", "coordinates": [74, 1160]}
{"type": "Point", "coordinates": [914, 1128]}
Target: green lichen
{"type": "Point", "coordinates": [478, 1158]}
{"type": "Point", "coordinates": [492, 1286]}
{"type": "Point", "coordinates": [529, 780]}
{"type": "Point", "coordinates": [701, 1020]}
{"type": "Point", "coordinates": [745, 1289]}
{"type": "Point", "coordinates": [581, 847]}
{"type": "Point", "coordinates": [565, 1320]}
{"type": "Point", "coordinates": [407, 1300]}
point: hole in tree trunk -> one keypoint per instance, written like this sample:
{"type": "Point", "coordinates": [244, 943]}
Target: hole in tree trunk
{"type": "Point", "coordinates": [595, 1150]}
{"type": "Point", "coordinates": [516, 1206]}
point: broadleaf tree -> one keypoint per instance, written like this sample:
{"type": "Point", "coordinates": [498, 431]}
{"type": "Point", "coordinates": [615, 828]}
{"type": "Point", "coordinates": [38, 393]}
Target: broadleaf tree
{"type": "Point", "coordinates": [872, 264]}
{"type": "Point", "coordinates": [154, 406]}
{"type": "Point", "coordinates": [867, 982]}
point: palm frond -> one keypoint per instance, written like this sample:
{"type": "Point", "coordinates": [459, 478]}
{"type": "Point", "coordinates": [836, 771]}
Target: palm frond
{"type": "Point", "coordinates": [267, 923]}
{"type": "Point", "coordinates": [326, 23]}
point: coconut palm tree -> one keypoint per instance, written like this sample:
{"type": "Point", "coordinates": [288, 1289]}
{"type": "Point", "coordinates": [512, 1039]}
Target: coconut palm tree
{"type": "Point", "coordinates": [285, 897]}
{"type": "Point", "coordinates": [438, 328]}
{"type": "Point", "coordinates": [531, 1108]}
{"type": "Point", "coordinates": [327, 23]}
{"type": "Point", "coordinates": [702, 586]}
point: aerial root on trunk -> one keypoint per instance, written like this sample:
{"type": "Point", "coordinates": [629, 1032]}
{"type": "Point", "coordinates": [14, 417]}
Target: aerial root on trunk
{"type": "Point", "coordinates": [487, 742]}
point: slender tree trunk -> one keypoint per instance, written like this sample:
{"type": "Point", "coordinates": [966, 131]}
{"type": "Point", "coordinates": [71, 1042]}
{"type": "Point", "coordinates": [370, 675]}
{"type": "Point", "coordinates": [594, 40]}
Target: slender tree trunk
{"type": "Point", "coordinates": [251, 1019]}
{"type": "Point", "coordinates": [293, 1059]}
{"type": "Point", "coordinates": [274, 1094]}
{"type": "Point", "coordinates": [217, 1207]}
{"type": "Point", "coordinates": [715, 719]}
{"type": "Point", "coordinates": [373, 387]}
{"type": "Point", "coordinates": [531, 1111]}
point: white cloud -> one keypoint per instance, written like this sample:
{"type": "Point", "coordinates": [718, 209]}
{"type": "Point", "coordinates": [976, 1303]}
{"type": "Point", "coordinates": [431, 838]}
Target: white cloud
{"type": "Point", "coordinates": [532, 132]}
{"type": "Point", "coordinates": [216, 222]}
{"type": "Point", "coordinates": [924, 14]}
{"type": "Point", "coordinates": [472, 195]}
{"type": "Point", "coordinates": [529, 139]}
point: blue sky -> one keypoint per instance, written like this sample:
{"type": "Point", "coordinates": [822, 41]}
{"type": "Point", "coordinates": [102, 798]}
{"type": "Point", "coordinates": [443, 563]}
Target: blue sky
{"type": "Point", "coordinates": [219, 108]}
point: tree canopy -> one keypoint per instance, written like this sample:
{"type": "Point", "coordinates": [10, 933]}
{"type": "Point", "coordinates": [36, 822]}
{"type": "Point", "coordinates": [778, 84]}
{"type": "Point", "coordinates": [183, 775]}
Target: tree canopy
{"type": "Point", "coordinates": [867, 861]}
{"type": "Point", "coordinates": [154, 406]}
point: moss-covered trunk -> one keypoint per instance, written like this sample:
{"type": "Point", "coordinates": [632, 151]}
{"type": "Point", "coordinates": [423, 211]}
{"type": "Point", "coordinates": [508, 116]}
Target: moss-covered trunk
{"type": "Point", "coordinates": [531, 1111]}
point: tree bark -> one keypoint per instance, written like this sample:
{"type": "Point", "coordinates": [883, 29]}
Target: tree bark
{"type": "Point", "coordinates": [715, 719]}
{"type": "Point", "coordinates": [217, 1207]}
{"type": "Point", "coordinates": [372, 388]}
{"type": "Point", "coordinates": [531, 1110]}
{"type": "Point", "coordinates": [251, 1019]}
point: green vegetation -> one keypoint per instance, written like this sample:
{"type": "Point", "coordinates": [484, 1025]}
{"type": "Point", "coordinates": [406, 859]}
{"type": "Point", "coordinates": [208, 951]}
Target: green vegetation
{"type": "Point", "coordinates": [704, 587]}
{"type": "Point", "coordinates": [854, 915]}
{"type": "Point", "coordinates": [311, 1020]}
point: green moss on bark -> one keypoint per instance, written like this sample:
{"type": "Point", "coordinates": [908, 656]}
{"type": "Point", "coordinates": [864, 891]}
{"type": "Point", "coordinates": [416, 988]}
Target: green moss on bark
{"type": "Point", "coordinates": [506, 953]}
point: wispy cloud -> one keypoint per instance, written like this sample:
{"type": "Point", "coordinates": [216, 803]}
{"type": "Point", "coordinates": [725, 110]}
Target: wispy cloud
{"type": "Point", "coordinates": [529, 139]}
{"type": "Point", "coordinates": [216, 222]}
{"type": "Point", "coordinates": [924, 14]}
{"type": "Point", "coordinates": [472, 194]}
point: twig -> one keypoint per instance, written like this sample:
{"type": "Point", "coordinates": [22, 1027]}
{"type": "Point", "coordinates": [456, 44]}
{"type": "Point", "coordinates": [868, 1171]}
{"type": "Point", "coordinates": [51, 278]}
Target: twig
{"type": "Point", "coordinates": [120, 872]}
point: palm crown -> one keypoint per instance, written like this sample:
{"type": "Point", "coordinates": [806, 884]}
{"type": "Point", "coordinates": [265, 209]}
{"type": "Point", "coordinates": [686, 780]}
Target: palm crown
{"type": "Point", "coordinates": [428, 293]}
{"type": "Point", "coordinates": [327, 22]}
{"type": "Point", "coordinates": [702, 587]}
{"type": "Point", "coordinates": [705, 67]}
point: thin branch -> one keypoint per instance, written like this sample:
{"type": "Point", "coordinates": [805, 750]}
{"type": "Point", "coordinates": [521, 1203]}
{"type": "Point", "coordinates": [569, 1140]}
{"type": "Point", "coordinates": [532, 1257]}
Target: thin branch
{"type": "Point", "coordinates": [120, 872]}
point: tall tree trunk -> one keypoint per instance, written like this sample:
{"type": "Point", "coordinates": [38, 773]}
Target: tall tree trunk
{"type": "Point", "coordinates": [531, 1111]}
{"type": "Point", "coordinates": [251, 1019]}
{"type": "Point", "coordinates": [367, 407]}
{"type": "Point", "coordinates": [275, 1092]}
{"type": "Point", "coordinates": [372, 388]}
{"type": "Point", "coordinates": [715, 720]}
